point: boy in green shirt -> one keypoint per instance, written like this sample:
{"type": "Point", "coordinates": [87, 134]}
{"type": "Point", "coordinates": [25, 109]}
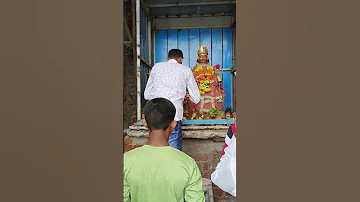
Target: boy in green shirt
{"type": "Point", "coordinates": [157, 172]}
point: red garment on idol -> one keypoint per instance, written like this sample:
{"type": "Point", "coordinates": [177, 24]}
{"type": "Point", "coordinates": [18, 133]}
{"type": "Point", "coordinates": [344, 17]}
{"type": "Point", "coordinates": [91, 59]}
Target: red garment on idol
{"type": "Point", "coordinates": [213, 99]}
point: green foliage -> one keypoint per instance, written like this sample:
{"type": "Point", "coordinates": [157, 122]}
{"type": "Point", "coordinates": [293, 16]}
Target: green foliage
{"type": "Point", "coordinates": [214, 111]}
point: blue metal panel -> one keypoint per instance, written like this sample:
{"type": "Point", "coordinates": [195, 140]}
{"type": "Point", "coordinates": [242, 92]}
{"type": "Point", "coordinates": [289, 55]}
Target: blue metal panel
{"type": "Point", "coordinates": [227, 82]}
{"type": "Point", "coordinates": [161, 46]}
{"type": "Point", "coordinates": [217, 49]}
{"type": "Point", "coordinates": [172, 40]}
{"type": "Point", "coordinates": [205, 37]}
{"type": "Point", "coordinates": [227, 47]}
{"type": "Point", "coordinates": [194, 39]}
{"type": "Point", "coordinates": [218, 41]}
{"type": "Point", "coordinates": [183, 45]}
{"type": "Point", "coordinates": [227, 61]}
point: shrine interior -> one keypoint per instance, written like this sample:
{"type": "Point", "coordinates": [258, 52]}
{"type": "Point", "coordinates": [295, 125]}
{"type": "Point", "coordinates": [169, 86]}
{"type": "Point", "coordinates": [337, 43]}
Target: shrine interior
{"type": "Point", "coordinates": [184, 24]}
{"type": "Point", "coordinates": [205, 32]}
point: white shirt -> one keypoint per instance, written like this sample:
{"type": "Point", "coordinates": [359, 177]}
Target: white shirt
{"type": "Point", "coordinates": [224, 175]}
{"type": "Point", "coordinates": [170, 80]}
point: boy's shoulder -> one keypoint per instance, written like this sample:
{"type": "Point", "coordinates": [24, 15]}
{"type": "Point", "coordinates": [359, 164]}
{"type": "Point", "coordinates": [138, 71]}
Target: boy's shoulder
{"type": "Point", "coordinates": [132, 156]}
{"type": "Point", "coordinates": [133, 152]}
{"type": "Point", "coordinates": [139, 151]}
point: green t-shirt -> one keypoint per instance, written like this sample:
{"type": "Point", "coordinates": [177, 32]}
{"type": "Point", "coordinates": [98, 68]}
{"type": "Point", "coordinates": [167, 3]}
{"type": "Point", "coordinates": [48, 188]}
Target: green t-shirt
{"type": "Point", "coordinates": [161, 174]}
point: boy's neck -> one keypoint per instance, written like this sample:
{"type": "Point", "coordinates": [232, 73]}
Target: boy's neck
{"type": "Point", "coordinates": [158, 138]}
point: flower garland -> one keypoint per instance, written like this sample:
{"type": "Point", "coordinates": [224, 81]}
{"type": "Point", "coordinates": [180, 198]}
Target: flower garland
{"type": "Point", "coordinates": [204, 79]}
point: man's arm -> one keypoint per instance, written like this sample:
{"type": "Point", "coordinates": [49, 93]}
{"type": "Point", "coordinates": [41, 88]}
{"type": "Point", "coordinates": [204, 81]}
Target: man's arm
{"type": "Point", "coordinates": [192, 88]}
{"type": "Point", "coordinates": [193, 191]}
{"type": "Point", "coordinates": [149, 86]}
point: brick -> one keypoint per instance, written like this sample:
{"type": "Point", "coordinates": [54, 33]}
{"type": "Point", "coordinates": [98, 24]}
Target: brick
{"type": "Point", "coordinates": [200, 158]}
{"type": "Point", "coordinates": [206, 167]}
{"type": "Point", "coordinates": [218, 192]}
{"type": "Point", "coordinates": [127, 141]}
{"type": "Point", "coordinates": [222, 199]}
{"type": "Point", "coordinates": [199, 166]}
{"type": "Point", "coordinates": [206, 175]}
{"type": "Point", "coordinates": [129, 86]}
{"type": "Point", "coordinates": [128, 148]}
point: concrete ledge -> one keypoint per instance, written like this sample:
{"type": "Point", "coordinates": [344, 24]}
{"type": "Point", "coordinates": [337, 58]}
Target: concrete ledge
{"type": "Point", "coordinates": [188, 132]}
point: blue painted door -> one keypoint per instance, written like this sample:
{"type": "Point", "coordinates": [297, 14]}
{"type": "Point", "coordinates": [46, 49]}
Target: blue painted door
{"type": "Point", "coordinates": [218, 41]}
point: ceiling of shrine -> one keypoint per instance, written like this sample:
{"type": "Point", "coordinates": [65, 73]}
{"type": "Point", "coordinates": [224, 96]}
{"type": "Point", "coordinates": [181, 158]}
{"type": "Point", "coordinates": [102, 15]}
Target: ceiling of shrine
{"type": "Point", "coordinates": [189, 7]}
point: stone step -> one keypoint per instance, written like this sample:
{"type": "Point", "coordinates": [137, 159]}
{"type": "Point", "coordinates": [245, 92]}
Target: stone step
{"type": "Point", "coordinates": [208, 191]}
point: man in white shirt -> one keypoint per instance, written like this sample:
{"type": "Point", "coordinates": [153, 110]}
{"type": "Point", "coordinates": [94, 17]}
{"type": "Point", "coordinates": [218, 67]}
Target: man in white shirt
{"type": "Point", "coordinates": [170, 80]}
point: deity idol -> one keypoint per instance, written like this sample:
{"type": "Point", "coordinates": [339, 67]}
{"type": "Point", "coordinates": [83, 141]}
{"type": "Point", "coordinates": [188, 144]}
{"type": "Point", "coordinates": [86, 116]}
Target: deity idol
{"type": "Point", "coordinates": [212, 93]}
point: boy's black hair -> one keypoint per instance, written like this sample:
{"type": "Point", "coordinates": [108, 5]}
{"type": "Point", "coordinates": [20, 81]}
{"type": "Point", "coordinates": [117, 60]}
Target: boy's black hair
{"type": "Point", "coordinates": [159, 113]}
{"type": "Point", "coordinates": [175, 54]}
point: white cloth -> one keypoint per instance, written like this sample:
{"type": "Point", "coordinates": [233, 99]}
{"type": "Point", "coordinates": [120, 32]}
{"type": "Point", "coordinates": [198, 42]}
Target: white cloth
{"type": "Point", "coordinates": [170, 80]}
{"type": "Point", "coordinates": [224, 175]}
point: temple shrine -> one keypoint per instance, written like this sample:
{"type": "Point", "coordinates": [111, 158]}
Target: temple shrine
{"type": "Point", "coordinates": [205, 32]}
{"type": "Point", "coordinates": [212, 93]}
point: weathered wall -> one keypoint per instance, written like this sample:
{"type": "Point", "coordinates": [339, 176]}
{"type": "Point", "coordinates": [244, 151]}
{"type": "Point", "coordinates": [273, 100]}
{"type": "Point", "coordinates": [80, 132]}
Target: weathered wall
{"type": "Point", "coordinates": [129, 71]}
{"type": "Point", "coordinates": [129, 90]}
{"type": "Point", "coordinates": [206, 153]}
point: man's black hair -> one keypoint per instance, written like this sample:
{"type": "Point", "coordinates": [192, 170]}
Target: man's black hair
{"type": "Point", "coordinates": [159, 113]}
{"type": "Point", "coordinates": [175, 54]}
